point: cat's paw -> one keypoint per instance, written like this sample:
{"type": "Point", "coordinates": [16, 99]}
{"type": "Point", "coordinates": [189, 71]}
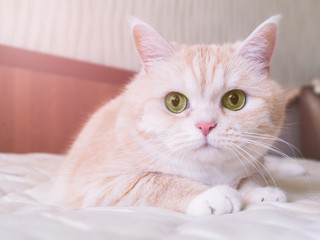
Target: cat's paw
{"type": "Point", "coordinates": [265, 194]}
{"type": "Point", "coordinates": [216, 200]}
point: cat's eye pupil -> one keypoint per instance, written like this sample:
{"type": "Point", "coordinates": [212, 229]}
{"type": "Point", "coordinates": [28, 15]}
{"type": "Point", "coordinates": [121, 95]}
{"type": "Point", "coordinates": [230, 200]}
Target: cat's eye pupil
{"type": "Point", "coordinates": [234, 98]}
{"type": "Point", "coordinates": [175, 100]}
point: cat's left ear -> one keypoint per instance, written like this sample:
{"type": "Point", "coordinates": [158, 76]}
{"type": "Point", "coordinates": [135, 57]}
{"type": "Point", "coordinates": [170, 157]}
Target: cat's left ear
{"type": "Point", "coordinates": [151, 46]}
{"type": "Point", "coordinates": [258, 47]}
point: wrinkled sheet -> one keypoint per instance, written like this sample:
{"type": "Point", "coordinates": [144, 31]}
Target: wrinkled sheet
{"type": "Point", "coordinates": [25, 213]}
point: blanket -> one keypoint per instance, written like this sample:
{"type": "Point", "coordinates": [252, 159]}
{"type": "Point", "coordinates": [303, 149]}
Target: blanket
{"type": "Point", "coordinates": [25, 213]}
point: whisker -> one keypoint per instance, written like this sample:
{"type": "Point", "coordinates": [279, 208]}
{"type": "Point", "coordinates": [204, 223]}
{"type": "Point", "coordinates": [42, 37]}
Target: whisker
{"type": "Point", "coordinates": [270, 137]}
{"type": "Point", "coordinates": [244, 167]}
{"type": "Point", "coordinates": [277, 151]}
{"type": "Point", "coordinates": [251, 163]}
{"type": "Point", "coordinates": [262, 165]}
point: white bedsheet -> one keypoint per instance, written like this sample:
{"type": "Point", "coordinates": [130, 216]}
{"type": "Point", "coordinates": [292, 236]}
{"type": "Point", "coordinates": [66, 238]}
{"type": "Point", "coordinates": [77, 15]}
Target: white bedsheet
{"type": "Point", "coordinates": [24, 213]}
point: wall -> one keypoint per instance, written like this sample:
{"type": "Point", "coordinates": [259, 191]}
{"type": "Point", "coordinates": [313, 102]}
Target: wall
{"type": "Point", "coordinates": [97, 31]}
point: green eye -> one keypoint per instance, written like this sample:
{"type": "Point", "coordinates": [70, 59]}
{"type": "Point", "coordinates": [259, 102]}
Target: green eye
{"type": "Point", "coordinates": [176, 102]}
{"type": "Point", "coordinates": [234, 100]}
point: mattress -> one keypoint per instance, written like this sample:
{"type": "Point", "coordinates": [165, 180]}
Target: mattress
{"type": "Point", "coordinates": [26, 212]}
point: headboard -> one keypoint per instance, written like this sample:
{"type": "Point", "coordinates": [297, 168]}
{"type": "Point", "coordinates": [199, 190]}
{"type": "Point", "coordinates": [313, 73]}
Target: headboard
{"type": "Point", "coordinates": [44, 99]}
{"type": "Point", "coordinates": [310, 122]}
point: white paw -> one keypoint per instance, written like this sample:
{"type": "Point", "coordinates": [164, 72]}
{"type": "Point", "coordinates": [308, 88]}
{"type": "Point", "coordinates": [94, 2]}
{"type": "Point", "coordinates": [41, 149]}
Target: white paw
{"type": "Point", "coordinates": [216, 200]}
{"type": "Point", "coordinates": [265, 194]}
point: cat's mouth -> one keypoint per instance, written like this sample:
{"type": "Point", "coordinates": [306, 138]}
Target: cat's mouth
{"type": "Point", "coordinates": [206, 145]}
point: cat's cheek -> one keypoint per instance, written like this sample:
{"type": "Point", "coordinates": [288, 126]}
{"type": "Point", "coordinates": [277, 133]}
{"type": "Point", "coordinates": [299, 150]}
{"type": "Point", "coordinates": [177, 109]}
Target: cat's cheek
{"type": "Point", "coordinates": [156, 123]}
{"type": "Point", "coordinates": [217, 200]}
{"type": "Point", "coordinates": [147, 123]}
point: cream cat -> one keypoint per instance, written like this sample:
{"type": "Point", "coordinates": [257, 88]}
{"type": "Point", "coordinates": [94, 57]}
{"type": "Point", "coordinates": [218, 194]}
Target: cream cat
{"type": "Point", "coordinates": [188, 133]}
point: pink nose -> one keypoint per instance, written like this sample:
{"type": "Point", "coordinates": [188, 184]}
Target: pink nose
{"type": "Point", "coordinates": [205, 127]}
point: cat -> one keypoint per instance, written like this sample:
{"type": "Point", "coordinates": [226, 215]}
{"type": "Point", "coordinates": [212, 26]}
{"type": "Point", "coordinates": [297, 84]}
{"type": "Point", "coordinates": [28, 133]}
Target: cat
{"type": "Point", "coordinates": [187, 134]}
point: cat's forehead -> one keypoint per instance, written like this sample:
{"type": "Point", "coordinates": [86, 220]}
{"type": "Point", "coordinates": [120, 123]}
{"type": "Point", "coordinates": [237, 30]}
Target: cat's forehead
{"type": "Point", "coordinates": [204, 53]}
{"type": "Point", "coordinates": [205, 67]}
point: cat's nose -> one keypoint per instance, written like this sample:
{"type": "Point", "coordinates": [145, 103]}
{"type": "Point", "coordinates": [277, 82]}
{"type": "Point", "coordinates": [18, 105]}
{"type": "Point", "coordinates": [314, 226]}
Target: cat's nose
{"type": "Point", "coordinates": [205, 127]}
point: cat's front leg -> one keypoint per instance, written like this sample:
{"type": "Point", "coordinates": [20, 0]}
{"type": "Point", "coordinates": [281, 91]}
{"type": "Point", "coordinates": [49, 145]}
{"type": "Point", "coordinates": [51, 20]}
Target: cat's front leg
{"type": "Point", "coordinates": [253, 191]}
{"type": "Point", "coordinates": [175, 193]}
{"type": "Point", "coordinates": [217, 200]}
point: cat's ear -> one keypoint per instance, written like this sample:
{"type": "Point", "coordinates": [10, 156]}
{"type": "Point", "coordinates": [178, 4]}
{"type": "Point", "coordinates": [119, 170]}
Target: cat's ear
{"type": "Point", "coordinates": [151, 47]}
{"type": "Point", "coordinates": [259, 46]}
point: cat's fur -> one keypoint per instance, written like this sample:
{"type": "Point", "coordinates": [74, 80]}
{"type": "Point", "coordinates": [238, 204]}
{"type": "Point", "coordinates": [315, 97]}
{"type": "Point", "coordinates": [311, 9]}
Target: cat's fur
{"type": "Point", "coordinates": [134, 152]}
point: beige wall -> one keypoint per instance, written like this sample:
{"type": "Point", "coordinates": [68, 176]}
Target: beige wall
{"type": "Point", "coordinates": [96, 30]}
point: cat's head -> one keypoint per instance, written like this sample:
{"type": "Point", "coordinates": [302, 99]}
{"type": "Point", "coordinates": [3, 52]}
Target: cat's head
{"type": "Point", "coordinates": [205, 102]}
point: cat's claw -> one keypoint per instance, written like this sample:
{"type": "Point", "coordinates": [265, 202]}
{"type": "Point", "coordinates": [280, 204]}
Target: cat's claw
{"type": "Point", "coordinates": [265, 194]}
{"type": "Point", "coordinates": [217, 200]}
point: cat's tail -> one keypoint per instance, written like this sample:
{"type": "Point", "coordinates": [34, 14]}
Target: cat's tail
{"type": "Point", "coordinates": [280, 166]}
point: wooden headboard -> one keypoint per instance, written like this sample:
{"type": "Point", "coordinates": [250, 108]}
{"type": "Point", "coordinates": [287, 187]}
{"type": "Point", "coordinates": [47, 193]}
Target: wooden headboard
{"type": "Point", "coordinates": [45, 100]}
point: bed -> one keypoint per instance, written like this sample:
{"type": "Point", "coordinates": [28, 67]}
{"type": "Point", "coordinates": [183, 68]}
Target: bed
{"type": "Point", "coordinates": [26, 214]}
{"type": "Point", "coordinates": [44, 101]}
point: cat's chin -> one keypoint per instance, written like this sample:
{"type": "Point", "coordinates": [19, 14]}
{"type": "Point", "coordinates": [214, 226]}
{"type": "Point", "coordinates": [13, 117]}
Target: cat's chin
{"type": "Point", "coordinates": [209, 153]}
{"type": "Point", "coordinates": [211, 156]}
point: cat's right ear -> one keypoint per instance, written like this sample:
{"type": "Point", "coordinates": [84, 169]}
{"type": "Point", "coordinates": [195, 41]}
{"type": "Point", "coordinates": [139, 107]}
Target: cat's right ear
{"type": "Point", "coordinates": [151, 47]}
